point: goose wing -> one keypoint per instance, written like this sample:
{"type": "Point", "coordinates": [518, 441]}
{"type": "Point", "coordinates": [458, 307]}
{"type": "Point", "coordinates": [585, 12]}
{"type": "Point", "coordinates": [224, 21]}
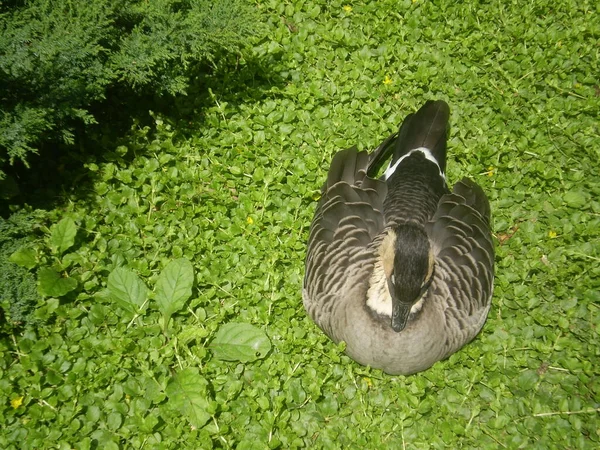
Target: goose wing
{"type": "Point", "coordinates": [461, 239]}
{"type": "Point", "coordinates": [348, 217]}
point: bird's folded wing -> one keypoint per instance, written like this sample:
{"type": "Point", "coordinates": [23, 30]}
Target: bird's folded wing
{"type": "Point", "coordinates": [462, 243]}
{"type": "Point", "coordinates": [348, 217]}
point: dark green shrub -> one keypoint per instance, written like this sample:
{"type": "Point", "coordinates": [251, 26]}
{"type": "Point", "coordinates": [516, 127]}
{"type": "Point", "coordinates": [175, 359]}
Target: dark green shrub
{"type": "Point", "coordinates": [18, 285]}
{"type": "Point", "coordinates": [57, 57]}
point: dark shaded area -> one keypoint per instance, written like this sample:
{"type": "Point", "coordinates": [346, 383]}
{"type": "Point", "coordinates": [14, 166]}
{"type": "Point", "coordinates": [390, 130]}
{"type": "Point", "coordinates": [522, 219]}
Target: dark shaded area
{"type": "Point", "coordinates": [66, 64]}
{"type": "Point", "coordinates": [58, 170]}
{"type": "Point", "coordinates": [59, 173]}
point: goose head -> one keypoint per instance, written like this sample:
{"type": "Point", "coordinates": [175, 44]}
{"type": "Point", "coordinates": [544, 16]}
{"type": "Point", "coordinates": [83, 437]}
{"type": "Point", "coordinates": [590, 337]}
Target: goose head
{"type": "Point", "coordinates": [408, 264]}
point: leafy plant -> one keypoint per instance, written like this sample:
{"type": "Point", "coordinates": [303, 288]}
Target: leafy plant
{"type": "Point", "coordinates": [187, 394]}
{"type": "Point", "coordinates": [240, 342]}
{"type": "Point", "coordinates": [51, 284]}
{"type": "Point", "coordinates": [128, 290]}
{"type": "Point", "coordinates": [59, 59]}
{"type": "Point", "coordinates": [62, 236]}
{"type": "Point", "coordinates": [174, 287]}
{"type": "Point", "coordinates": [233, 194]}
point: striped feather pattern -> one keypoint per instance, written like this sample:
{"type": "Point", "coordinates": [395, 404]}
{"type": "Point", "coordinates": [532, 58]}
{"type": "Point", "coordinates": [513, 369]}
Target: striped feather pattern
{"type": "Point", "coordinates": [343, 257]}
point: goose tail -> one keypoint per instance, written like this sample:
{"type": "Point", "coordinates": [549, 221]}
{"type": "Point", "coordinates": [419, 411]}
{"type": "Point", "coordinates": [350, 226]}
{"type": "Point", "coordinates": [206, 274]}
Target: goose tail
{"type": "Point", "coordinates": [425, 129]}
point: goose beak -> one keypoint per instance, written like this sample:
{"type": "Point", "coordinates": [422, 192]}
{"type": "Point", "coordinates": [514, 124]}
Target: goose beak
{"type": "Point", "coordinates": [400, 309]}
{"type": "Point", "coordinates": [400, 312]}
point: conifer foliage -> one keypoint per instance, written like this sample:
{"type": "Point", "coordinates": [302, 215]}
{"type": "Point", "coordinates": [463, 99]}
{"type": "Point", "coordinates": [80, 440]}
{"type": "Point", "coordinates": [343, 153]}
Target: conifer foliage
{"type": "Point", "coordinates": [57, 57]}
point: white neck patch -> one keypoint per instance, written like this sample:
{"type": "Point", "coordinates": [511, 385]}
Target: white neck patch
{"type": "Point", "coordinates": [426, 152]}
{"type": "Point", "coordinates": [378, 295]}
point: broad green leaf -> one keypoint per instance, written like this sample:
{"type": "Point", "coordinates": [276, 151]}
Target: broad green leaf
{"type": "Point", "coordinates": [43, 312]}
{"type": "Point", "coordinates": [51, 284]}
{"type": "Point", "coordinates": [187, 394]}
{"type": "Point", "coordinates": [527, 380]}
{"type": "Point", "coordinates": [295, 392]}
{"type": "Point", "coordinates": [240, 342]}
{"type": "Point", "coordinates": [127, 289]}
{"type": "Point", "coordinates": [329, 405]}
{"type": "Point", "coordinates": [174, 286]}
{"type": "Point", "coordinates": [62, 235]}
{"type": "Point", "coordinates": [114, 421]}
{"type": "Point", "coordinates": [147, 423]}
{"type": "Point", "coordinates": [105, 439]}
{"type": "Point", "coordinates": [93, 413]}
{"type": "Point", "coordinates": [576, 199]}
{"type": "Point", "coordinates": [25, 257]}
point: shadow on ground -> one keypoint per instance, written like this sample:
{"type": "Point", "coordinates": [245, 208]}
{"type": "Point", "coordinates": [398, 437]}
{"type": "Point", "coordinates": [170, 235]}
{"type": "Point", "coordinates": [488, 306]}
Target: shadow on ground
{"type": "Point", "coordinates": [59, 171]}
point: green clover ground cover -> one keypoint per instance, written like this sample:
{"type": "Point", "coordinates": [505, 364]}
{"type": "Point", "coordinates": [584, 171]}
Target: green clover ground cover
{"type": "Point", "coordinates": [171, 314]}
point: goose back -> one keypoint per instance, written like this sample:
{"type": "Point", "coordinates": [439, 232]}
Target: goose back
{"type": "Point", "coordinates": [344, 260]}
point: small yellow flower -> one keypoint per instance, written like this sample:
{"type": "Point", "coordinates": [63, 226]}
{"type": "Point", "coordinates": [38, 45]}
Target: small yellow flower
{"type": "Point", "coordinates": [348, 8]}
{"type": "Point", "coordinates": [16, 402]}
{"type": "Point", "coordinates": [250, 220]}
{"type": "Point", "coordinates": [368, 381]}
{"type": "Point", "coordinates": [490, 171]}
{"type": "Point", "coordinates": [387, 80]}
{"type": "Point", "coordinates": [552, 234]}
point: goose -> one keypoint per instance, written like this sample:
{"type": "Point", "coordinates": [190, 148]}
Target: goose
{"type": "Point", "coordinates": [400, 267]}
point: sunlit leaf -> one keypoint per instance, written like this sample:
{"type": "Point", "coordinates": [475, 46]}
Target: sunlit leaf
{"type": "Point", "coordinates": [52, 284]}
{"type": "Point", "coordinates": [174, 286]}
{"type": "Point", "coordinates": [25, 257]}
{"type": "Point", "coordinates": [576, 199]}
{"type": "Point", "coordinates": [240, 342]}
{"type": "Point", "coordinates": [127, 289]}
{"type": "Point", "coordinates": [62, 235]}
{"type": "Point", "coordinates": [187, 393]}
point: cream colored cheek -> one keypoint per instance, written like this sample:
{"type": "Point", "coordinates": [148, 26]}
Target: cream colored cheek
{"type": "Point", "coordinates": [388, 268]}
{"type": "Point", "coordinates": [387, 254]}
{"type": "Point", "coordinates": [431, 265]}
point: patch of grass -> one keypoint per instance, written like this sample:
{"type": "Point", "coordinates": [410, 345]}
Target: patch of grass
{"type": "Point", "coordinates": [235, 194]}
